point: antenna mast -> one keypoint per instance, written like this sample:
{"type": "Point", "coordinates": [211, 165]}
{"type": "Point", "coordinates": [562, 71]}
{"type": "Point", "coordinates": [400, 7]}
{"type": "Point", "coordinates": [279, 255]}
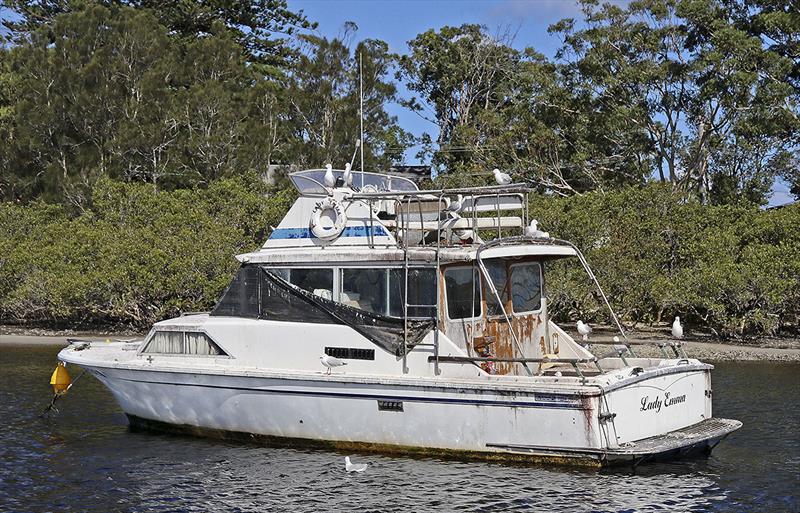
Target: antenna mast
{"type": "Point", "coordinates": [361, 94]}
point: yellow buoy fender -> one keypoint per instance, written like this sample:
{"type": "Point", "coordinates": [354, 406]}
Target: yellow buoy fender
{"type": "Point", "coordinates": [327, 219]}
{"type": "Point", "coordinates": [60, 380]}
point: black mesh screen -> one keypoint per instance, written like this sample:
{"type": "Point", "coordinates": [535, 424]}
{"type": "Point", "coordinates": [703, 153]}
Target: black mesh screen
{"type": "Point", "coordinates": [241, 298]}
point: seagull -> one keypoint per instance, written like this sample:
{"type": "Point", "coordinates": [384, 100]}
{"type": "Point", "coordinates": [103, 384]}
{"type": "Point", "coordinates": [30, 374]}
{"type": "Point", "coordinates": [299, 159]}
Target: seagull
{"type": "Point", "coordinates": [455, 205]}
{"type": "Point", "coordinates": [501, 178]}
{"type": "Point", "coordinates": [354, 467]}
{"type": "Point", "coordinates": [677, 329]}
{"type": "Point", "coordinates": [533, 231]}
{"type": "Point", "coordinates": [584, 329]}
{"type": "Point", "coordinates": [331, 362]}
{"type": "Point", "coordinates": [330, 180]}
{"type": "Point", "coordinates": [348, 176]}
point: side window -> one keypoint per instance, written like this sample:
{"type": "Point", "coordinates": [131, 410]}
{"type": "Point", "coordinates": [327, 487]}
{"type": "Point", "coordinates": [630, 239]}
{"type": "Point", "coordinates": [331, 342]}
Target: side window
{"type": "Point", "coordinates": [421, 291]}
{"type": "Point", "coordinates": [316, 281]}
{"type": "Point", "coordinates": [365, 289]}
{"type": "Point", "coordinates": [179, 342]}
{"type": "Point", "coordinates": [462, 285]}
{"type": "Point", "coordinates": [497, 272]}
{"type": "Point", "coordinates": [526, 287]}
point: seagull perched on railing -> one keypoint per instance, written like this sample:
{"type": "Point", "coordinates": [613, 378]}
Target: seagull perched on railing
{"type": "Point", "coordinates": [501, 178]}
{"type": "Point", "coordinates": [584, 329]}
{"type": "Point", "coordinates": [455, 205]}
{"type": "Point", "coordinates": [330, 180]}
{"type": "Point", "coordinates": [347, 176]}
{"type": "Point", "coordinates": [330, 362]}
{"type": "Point", "coordinates": [677, 329]}
{"type": "Point", "coordinates": [532, 230]}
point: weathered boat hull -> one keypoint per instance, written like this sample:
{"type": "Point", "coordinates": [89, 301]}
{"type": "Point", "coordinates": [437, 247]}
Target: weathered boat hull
{"type": "Point", "coordinates": [463, 421]}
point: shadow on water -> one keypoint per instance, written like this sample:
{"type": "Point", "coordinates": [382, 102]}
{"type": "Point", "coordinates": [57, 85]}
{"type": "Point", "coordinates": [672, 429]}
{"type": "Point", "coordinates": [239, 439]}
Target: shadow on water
{"type": "Point", "coordinates": [84, 458]}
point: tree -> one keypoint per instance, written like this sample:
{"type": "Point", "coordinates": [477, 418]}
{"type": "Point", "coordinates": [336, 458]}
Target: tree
{"type": "Point", "coordinates": [324, 98]}
{"type": "Point", "coordinates": [260, 27]}
{"type": "Point", "coordinates": [698, 85]}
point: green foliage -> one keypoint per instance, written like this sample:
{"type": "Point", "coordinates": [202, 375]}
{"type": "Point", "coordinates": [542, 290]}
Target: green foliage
{"type": "Point", "coordinates": [138, 256]}
{"type": "Point", "coordinates": [731, 269]}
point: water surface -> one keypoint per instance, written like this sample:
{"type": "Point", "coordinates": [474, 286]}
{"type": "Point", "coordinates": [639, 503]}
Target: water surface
{"type": "Point", "coordinates": [84, 458]}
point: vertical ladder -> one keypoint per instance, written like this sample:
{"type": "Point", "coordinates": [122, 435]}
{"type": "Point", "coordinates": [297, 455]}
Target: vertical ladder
{"type": "Point", "coordinates": [434, 308]}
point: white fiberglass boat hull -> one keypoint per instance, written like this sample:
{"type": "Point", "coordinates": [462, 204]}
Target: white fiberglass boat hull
{"type": "Point", "coordinates": [486, 419]}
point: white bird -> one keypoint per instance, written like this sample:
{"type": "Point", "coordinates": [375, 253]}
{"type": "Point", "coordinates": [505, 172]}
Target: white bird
{"type": "Point", "coordinates": [677, 329]}
{"type": "Point", "coordinates": [330, 180]}
{"type": "Point", "coordinates": [354, 467]}
{"type": "Point", "coordinates": [501, 178]}
{"type": "Point", "coordinates": [330, 362]}
{"type": "Point", "coordinates": [348, 176]}
{"type": "Point", "coordinates": [455, 205]}
{"type": "Point", "coordinates": [584, 329]}
{"type": "Point", "coordinates": [532, 230]}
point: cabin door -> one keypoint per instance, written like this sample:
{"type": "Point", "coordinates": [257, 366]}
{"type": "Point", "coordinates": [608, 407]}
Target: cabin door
{"type": "Point", "coordinates": [462, 315]}
{"type": "Point", "coordinates": [518, 287]}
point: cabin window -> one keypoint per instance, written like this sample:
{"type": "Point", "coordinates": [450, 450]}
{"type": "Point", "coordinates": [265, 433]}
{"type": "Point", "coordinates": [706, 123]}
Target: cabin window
{"type": "Point", "coordinates": [180, 342]}
{"type": "Point", "coordinates": [526, 287]}
{"type": "Point", "coordinates": [316, 281]}
{"type": "Point", "coordinates": [463, 289]}
{"type": "Point", "coordinates": [496, 269]}
{"type": "Point", "coordinates": [421, 291]}
{"type": "Point", "coordinates": [365, 289]}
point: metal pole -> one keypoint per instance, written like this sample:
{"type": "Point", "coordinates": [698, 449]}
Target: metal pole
{"type": "Point", "coordinates": [361, 95]}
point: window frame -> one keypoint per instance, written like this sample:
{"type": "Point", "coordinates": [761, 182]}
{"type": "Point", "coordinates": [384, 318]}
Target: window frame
{"type": "Point", "coordinates": [182, 331]}
{"type": "Point", "coordinates": [511, 286]}
{"type": "Point", "coordinates": [480, 291]}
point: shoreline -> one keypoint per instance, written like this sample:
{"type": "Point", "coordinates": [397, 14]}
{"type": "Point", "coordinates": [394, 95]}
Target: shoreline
{"type": "Point", "coordinates": [788, 350]}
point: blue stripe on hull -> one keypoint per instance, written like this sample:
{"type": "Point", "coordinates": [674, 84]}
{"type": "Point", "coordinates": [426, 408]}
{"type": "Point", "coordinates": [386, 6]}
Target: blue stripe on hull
{"type": "Point", "coordinates": [349, 231]}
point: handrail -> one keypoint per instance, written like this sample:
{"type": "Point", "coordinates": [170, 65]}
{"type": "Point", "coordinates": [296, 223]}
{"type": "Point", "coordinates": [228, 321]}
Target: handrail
{"type": "Point", "coordinates": [489, 190]}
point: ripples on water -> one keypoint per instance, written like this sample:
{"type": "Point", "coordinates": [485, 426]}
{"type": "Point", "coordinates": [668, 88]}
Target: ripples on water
{"type": "Point", "coordinates": [85, 459]}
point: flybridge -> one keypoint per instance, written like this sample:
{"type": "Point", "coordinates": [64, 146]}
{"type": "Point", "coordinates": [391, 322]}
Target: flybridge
{"type": "Point", "coordinates": [351, 208]}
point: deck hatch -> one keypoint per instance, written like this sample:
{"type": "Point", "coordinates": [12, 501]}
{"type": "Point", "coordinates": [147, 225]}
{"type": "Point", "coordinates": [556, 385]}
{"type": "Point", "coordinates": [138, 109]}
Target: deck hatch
{"type": "Point", "coordinates": [350, 353]}
{"type": "Point", "coordinates": [390, 405]}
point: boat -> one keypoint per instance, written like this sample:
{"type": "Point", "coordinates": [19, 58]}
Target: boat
{"type": "Point", "coordinates": [378, 316]}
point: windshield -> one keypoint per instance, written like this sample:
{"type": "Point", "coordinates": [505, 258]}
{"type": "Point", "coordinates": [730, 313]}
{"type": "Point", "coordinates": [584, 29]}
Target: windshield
{"type": "Point", "coordinates": [312, 181]}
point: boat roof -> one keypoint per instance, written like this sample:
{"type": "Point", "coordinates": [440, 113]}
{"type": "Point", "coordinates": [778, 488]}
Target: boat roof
{"type": "Point", "coordinates": [385, 216]}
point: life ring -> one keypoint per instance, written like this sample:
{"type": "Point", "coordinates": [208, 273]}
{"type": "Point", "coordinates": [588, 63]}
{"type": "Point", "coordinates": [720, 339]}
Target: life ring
{"type": "Point", "coordinates": [328, 219]}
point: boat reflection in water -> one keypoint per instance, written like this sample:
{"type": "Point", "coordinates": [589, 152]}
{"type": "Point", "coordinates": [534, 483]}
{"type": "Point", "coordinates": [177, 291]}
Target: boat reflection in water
{"type": "Point", "coordinates": [440, 314]}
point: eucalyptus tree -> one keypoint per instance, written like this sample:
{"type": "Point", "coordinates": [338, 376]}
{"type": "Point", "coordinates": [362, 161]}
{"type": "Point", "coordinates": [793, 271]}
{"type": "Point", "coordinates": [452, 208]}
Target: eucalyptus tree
{"type": "Point", "coordinates": [715, 101]}
{"type": "Point", "coordinates": [324, 97]}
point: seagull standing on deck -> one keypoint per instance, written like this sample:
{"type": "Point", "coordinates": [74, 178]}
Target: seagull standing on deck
{"type": "Point", "coordinates": [584, 329]}
{"type": "Point", "coordinates": [354, 467]}
{"type": "Point", "coordinates": [330, 180]}
{"type": "Point", "coordinates": [501, 178]}
{"type": "Point", "coordinates": [330, 362]}
{"type": "Point", "coordinates": [677, 329]}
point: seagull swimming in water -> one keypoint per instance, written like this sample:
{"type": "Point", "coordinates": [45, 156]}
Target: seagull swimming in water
{"type": "Point", "coordinates": [330, 180]}
{"type": "Point", "coordinates": [354, 467]}
{"type": "Point", "coordinates": [677, 329]}
{"type": "Point", "coordinates": [330, 362]}
{"type": "Point", "coordinates": [501, 178]}
{"type": "Point", "coordinates": [584, 329]}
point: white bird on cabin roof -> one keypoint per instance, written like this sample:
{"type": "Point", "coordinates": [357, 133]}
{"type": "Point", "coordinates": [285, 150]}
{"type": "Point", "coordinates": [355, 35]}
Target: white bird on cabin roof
{"type": "Point", "coordinates": [455, 205]}
{"type": "Point", "coordinates": [330, 180]}
{"type": "Point", "coordinates": [354, 467]}
{"type": "Point", "coordinates": [501, 178]}
{"type": "Point", "coordinates": [348, 176]}
{"type": "Point", "coordinates": [330, 362]}
{"type": "Point", "coordinates": [584, 329]}
{"type": "Point", "coordinates": [677, 329]}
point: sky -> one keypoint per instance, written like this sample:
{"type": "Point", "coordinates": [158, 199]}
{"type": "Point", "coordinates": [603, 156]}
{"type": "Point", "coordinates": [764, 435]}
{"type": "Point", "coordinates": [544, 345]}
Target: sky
{"type": "Point", "coordinates": [398, 21]}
